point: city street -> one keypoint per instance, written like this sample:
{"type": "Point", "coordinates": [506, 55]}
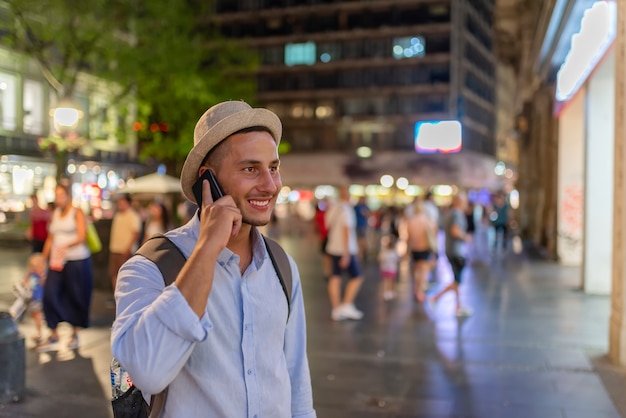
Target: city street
{"type": "Point", "coordinates": [535, 347]}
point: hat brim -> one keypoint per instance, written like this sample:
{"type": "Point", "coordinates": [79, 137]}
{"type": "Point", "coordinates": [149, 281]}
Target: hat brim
{"type": "Point", "coordinates": [219, 132]}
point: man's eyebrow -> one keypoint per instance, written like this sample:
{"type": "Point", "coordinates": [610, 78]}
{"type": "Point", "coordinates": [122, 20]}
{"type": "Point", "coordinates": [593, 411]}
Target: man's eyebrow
{"type": "Point", "coordinates": [257, 162]}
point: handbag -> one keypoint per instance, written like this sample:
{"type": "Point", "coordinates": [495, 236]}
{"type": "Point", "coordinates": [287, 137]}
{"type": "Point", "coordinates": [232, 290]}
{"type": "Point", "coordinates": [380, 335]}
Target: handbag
{"type": "Point", "coordinates": [93, 239]}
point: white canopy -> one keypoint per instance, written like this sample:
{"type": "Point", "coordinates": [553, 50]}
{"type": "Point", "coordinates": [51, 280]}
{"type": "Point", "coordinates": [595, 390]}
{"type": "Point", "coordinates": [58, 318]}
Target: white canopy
{"type": "Point", "coordinates": [152, 183]}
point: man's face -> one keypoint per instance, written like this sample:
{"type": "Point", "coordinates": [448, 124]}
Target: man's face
{"type": "Point", "coordinates": [122, 204]}
{"type": "Point", "coordinates": [249, 173]}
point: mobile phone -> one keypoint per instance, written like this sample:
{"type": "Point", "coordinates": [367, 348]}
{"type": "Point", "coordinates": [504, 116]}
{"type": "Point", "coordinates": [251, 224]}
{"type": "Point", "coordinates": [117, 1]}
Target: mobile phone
{"type": "Point", "coordinates": [216, 190]}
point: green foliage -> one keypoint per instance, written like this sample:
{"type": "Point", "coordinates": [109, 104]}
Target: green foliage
{"type": "Point", "coordinates": [159, 51]}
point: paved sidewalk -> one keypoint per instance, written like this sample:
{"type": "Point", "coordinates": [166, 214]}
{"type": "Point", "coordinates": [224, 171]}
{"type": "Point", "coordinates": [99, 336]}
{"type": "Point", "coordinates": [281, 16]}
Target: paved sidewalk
{"type": "Point", "coordinates": [535, 347]}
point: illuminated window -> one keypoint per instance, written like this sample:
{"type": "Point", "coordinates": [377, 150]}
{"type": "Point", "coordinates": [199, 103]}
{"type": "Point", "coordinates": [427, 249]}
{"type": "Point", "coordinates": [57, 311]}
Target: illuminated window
{"type": "Point", "coordinates": [7, 102]}
{"type": "Point", "coordinates": [33, 107]}
{"type": "Point", "coordinates": [300, 54]}
{"type": "Point", "coordinates": [409, 47]}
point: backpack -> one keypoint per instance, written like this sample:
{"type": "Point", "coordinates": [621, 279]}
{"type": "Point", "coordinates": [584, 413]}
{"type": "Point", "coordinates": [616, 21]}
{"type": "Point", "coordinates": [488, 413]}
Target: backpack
{"type": "Point", "coordinates": [169, 259]}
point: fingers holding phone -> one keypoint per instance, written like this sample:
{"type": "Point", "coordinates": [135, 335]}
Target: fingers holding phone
{"type": "Point", "coordinates": [218, 217]}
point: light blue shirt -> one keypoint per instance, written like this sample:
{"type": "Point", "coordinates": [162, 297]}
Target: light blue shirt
{"type": "Point", "coordinates": [242, 358]}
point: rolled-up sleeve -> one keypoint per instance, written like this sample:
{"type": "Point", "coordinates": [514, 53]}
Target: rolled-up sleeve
{"type": "Point", "coordinates": [155, 330]}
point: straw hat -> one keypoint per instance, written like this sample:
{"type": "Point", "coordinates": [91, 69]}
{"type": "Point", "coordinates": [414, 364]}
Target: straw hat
{"type": "Point", "coordinates": [217, 124]}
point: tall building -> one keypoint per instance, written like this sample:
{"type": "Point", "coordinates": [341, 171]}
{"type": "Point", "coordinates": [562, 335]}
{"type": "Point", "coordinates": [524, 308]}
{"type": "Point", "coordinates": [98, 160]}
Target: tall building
{"type": "Point", "coordinates": [350, 78]}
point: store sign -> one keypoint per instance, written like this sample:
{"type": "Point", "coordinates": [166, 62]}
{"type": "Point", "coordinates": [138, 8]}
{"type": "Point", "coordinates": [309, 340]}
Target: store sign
{"type": "Point", "coordinates": [438, 136]}
{"type": "Point", "coordinates": [597, 32]}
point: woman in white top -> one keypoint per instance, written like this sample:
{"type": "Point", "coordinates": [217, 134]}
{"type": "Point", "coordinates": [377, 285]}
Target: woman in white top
{"type": "Point", "coordinates": [68, 286]}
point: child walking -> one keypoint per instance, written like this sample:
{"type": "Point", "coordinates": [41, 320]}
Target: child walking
{"type": "Point", "coordinates": [30, 293]}
{"type": "Point", "coordinates": [388, 260]}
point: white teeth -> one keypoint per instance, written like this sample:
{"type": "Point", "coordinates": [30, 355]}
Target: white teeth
{"type": "Point", "coordinates": [259, 202]}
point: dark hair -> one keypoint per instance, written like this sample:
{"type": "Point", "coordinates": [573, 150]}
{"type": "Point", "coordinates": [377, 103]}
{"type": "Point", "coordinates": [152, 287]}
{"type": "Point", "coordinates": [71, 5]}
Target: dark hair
{"type": "Point", "coordinates": [126, 197]}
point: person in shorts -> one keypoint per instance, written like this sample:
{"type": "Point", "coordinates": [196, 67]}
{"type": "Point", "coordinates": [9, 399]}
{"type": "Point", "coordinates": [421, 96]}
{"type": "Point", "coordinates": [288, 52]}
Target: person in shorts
{"type": "Point", "coordinates": [455, 226]}
{"type": "Point", "coordinates": [343, 249]}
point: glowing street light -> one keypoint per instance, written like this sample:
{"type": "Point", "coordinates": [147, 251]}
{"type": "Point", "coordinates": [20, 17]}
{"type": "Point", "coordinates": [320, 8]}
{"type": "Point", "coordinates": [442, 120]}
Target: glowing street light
{"type": "Point", "coordinates": [66, 115]}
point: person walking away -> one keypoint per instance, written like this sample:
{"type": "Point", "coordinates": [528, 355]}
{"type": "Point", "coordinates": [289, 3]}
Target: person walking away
{"type": "Point", "coordinates": [125, 230]}
{"type": "Point", "coordinates": [37, 231]}
{"type": "Point", "coordinates": [222, 338]}
{"type": "Point", "coordinates": [69, 282]}
{"type": "Point", "coordinates": [322, 233]}
{"type": "Point", "coordinates": [455, 227]}
{"type": "Point", "coordinates": [388, 259]}
{"type": "Point", "coordinates": [471, 231]}
{"type": "Point", "coordinates": [421, 243]}
{"type": "Point", "coordinates": [500, 221]}
{"type": "Point", "coordinates": [343, 249]}
{"type": "Point", "coordinates": [158, 221]}
{"type": "Point", "coordinates": [362, 213]}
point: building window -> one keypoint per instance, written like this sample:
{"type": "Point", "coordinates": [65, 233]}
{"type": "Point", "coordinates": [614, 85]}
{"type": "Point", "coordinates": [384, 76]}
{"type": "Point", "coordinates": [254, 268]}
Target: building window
{"type": "Point", "coordinates": [7, 102]}
{"type": "Point", "coordinates": [300, 54]}
{"type": "Point", "coordinates": [33, 120]}
{"type": "Point", "coordinates": [409, 47]}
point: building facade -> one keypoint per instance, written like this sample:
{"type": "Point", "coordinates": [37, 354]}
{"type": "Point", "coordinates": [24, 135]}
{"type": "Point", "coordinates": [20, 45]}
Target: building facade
{"type": "Point", "coordinates": [353, 80]}
{"type": "Point", "coordinates": [108, 152]}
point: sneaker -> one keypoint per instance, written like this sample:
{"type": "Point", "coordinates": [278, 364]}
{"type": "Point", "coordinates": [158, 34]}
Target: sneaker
{"type": "Point", "coordinates": [73, 344]}
{"type": "Point", "coordinates": [51, 344]}
{"type": "Point", "coordinates": [350, 312]}
{"type": "Point", "coordinates": [464, 312]}
{"type": "Point", "coordinates": [337, 314]}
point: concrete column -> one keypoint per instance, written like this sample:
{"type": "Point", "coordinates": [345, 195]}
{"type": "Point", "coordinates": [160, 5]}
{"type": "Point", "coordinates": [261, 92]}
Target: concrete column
{"type": "Point", "coordinates": [598, 212]}
{"type": "Point", "coordinates": [617, 328]}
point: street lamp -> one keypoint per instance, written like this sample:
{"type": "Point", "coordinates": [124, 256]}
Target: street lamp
{"type": "Point", "coordinates": [66, 115]}
{"type": "Point", "coordinates": [64, 139]}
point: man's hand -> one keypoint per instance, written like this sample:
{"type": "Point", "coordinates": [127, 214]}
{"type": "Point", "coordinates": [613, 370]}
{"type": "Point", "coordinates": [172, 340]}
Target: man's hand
{"type": "Point", "coordinates": [220, 220]}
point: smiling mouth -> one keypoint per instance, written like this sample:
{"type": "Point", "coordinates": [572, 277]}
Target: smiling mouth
{"type": "Point", "coordinates": [260, 203]}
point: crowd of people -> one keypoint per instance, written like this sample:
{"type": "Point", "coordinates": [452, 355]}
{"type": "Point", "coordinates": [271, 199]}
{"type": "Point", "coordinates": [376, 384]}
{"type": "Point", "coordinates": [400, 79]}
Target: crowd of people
{"type": "Point", "coordinates": [230, 297]}
{"type": "Point", "coordinates": [59, 279]}
{"type": "Point", "coordinates": [410, 234]}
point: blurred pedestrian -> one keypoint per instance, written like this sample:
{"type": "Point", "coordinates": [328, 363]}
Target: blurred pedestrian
{"type": "Point", "coordinates": [125, 230]}
{"type": "Point", "coordinates": [322, 234]}
{"type": "Point", "coordinates": [500, 220]}
{"type": "Point", "coordinates": [388, 260]}
{"type": "Point", "coordinates": [29, 293]}
{"type": "Point", "coordinates": [422, 243]}
{"type": "Point", "coordinates": [157, 221]}
{"type": "Point", "coordinates": [37, 231]}
{"type": "Point", "coordinates": [455, 227]}
{"type": "Point", "coordinates": [69, 282]}
{"type": "Point", "coordinates": [343, 249]}
{"type": "Point", "coordinates": [362, 213]}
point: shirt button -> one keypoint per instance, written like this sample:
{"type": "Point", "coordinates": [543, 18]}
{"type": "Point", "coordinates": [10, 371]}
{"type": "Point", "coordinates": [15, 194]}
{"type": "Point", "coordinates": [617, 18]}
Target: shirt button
{"type": "Point", "coordinates": [249, 371]}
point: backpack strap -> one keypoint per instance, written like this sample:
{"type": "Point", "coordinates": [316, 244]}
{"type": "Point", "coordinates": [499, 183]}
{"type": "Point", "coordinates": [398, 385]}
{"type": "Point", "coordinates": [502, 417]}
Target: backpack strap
{"type": "Point", "coordinates": [280, 261]}
{"type": "Point", "coordinates": [165, 254]}
{"type": "Point", "coordinates": [170, 260]}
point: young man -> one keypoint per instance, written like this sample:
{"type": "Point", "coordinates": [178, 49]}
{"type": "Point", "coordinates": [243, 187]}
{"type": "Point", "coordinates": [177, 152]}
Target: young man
{"type": "Point", "coordinates": [220, 337]}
